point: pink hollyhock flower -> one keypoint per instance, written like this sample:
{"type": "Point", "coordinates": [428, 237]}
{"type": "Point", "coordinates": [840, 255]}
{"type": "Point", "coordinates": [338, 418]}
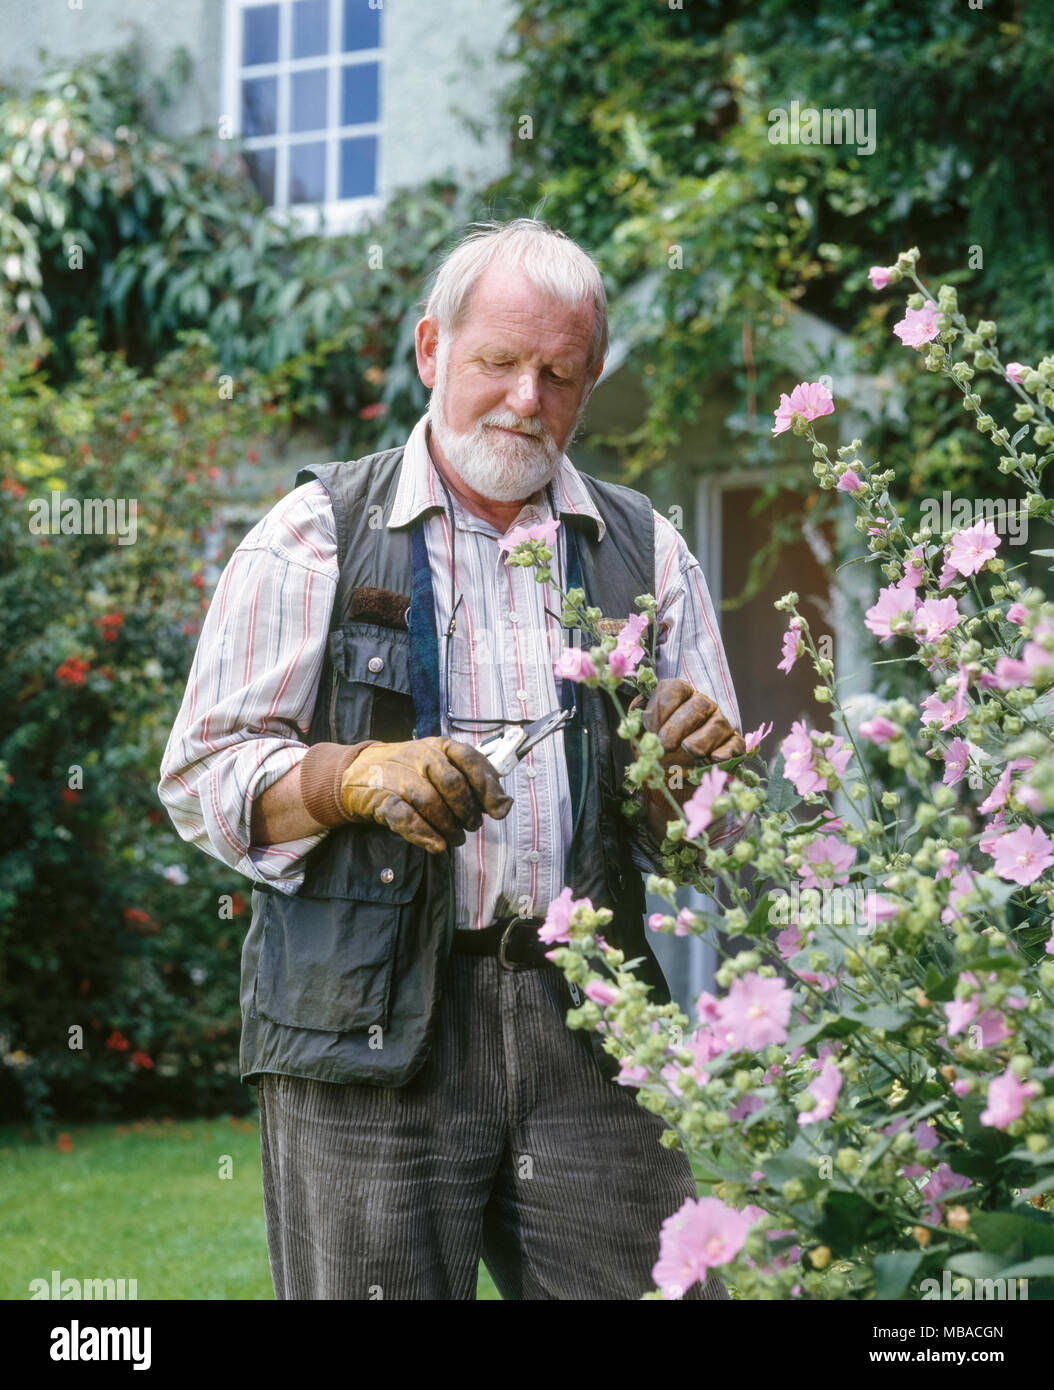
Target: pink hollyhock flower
{"type": "Point", "coordinates": [878, 909]}
{"type": "Point", "coordinates": [628, 653]}
{"type": "Point", "coordinates": [825, 1090]}
{"type": "Point", "coordinates": [685, 922]}
{"type": "Point", "coordinates": [918, 326]}
{"type": "Point", "coordinates": [959, 1013]}
{"type": "Point", "coordinates": [997, 796]}
{"type": "Point", "coordinates": [705, 1045]}
{"type": "Point", "coordinates": [924, 1135]}
{"type": "Point", "coordinates": [556, 926]}
{"type": "Point", "coordinates": [754, 1013]}
{"type": "Point", "coordinates": [1016, 613]}
{"type": "Point", "coordinates": [792, 649]}
{"type": "Point", "coordinates": [810, 399]}
{"type": "Point", "coordinates": [698, 806]}
{"type": "Point", "coordinates": [896, 604]}
{"type": "Point", "coordinates": [1015, 372]}
{"type": "Point", "coordinates": [708, 1008]}
{"type": "Point", "coordinates": [956, 761]}
{"type": "Point", "coordinates": [656, 920]}
{"type": "Point", "coordinates": [961, 1088]}
{"type": "Point", "coordinates": [574, 664]}
{"type": "Point", "coordinates": [935, 616]}
{"type": "Point", "coordinates": [915, 574]}
{"type": "Point", "coordinates": [630, 1075]}
{"type": "Point", "coordinates": [601, 992]}
{"type": "Point", "coordinates": [961, 886]}
{"type": "Point", "coordinates": [879, 277]}
{"type": "Point", "coordinates": [947, 577]}
{"type": "Point", "coordinates": [791, 940]}
{"type": "Point", "coordinates": [878, 730]}
{"type": "Point", "coordinates": [757, 736]}
{"type": "Point", "coordinates": [542, 531]}
{"type": "Point", "coordinates": [748, 1105]}
{"type": "Point", "coordinates": [848, 482]}
{"type": "Point", "coordinates": [798, 756]}
{"type": "Point", "coordinates": [827, 860]}
{"type": "Point", "coordinates": [992, 832]}
{"type": "Point", "coordinates": [991, 1028]}
{"type": "Point", "coordinates": [702, 1235]}
{"type": "Point", "coordinates": [942, 1182]}
{"type": "Point", "coordinates": [947, 712]}
{"type": "Point", "coordinates": [948, 860]}
{"type": "Point", "coordinates": [973, 547]}
{"type": "Point", "coordinates": [1006, 1100]}
{"type": "Point", "coordinates": [1022, 856]}
{"type": "Point", "coordinates": [1009, 673]}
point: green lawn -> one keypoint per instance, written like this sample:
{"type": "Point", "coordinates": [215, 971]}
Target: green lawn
{"type": "Point", "coordinates": [141, 1200]}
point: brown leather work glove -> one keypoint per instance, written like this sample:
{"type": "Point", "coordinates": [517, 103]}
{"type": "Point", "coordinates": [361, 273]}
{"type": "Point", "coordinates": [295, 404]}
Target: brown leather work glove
{"type": "Point", "coordinates": [429, 790]}
{"type": "Point", "coordinates": [692, 730]}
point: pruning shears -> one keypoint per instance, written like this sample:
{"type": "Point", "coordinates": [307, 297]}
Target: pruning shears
{"type": "Point", "coordinates": [505, 750]}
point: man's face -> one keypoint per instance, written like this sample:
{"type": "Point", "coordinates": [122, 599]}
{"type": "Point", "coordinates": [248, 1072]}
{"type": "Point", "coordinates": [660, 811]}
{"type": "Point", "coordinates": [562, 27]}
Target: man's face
{"type": "Point", "coordinates": [510, 386]}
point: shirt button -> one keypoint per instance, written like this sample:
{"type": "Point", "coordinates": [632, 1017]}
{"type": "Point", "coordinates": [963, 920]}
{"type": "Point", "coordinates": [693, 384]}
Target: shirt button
{"type": "Point", "coordinates": [514, 617]}
{"type": "Point", "coordinates": [532, 772]}
{"type": "Point", "coordinates": [387, 875]}
{"type": "Point", "coordinates": [533, 856]}
{"type": "Point", "coordinates": [376, 663]}
{"type": "Point", "coordinates": [521, 695]}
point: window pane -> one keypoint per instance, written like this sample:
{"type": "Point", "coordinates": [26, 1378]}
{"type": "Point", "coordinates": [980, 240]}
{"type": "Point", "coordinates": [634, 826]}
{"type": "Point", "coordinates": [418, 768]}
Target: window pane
{"type": "Point", "coordinates": [362, 26]}
{"type": "Point", "coordinates": [310, 28]}
{"type": "Point", "coordinates": [358, 166]}
{"type": "Point", "coordinates": [308, 111]}
{"type": "Point", "coordinates": [307, 172]}
{"type": "Point", "coordinates": [259, 105]}
{"type": "Point", "coordinates": [260, 35]}
{"type": "Point", "coordinates": [261, 171]}
{"type": "Point", "coordinates": [358, 98]}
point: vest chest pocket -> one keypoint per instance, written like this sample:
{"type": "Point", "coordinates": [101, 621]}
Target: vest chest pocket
{"type": "Point", "coordinates": [327, 963]}
{"type": "Point", "coordinates": [371, 684]}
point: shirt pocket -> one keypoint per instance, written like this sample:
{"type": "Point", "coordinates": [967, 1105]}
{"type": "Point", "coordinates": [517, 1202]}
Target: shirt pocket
{"type": "Point", "coordinates": [327, 963]}
{"type": "Point", "coordinates": [371, 673]}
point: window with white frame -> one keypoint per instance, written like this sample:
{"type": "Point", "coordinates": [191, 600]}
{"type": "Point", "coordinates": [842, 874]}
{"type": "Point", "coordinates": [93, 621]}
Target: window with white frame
{"type": "Point", "coordinates": [304, 78]}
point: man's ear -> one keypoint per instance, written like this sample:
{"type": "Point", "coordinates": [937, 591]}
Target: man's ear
{"type": "Point", "coordinates": [426, 341]}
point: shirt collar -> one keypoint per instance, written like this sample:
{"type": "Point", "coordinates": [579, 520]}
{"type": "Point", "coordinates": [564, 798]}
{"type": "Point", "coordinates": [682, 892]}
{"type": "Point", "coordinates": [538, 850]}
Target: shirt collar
{"type": "Point", "coordinates": [420, 489]}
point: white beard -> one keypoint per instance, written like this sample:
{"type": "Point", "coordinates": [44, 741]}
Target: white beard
{"type": "Point", "coordinates": [499, 466]}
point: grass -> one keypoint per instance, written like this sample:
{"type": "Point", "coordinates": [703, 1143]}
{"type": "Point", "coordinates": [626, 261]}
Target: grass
{"type": "Point", "coordinates": [142, 1200]}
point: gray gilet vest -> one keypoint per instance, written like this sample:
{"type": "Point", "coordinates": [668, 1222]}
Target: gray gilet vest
{"type": "Point", "coordinates": [340, 980]}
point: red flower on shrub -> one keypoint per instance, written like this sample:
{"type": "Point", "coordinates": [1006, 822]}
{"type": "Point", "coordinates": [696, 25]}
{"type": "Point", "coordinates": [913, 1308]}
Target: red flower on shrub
{"type": "Point", "coordinates": [191, 477]}
{"type": "Point", "coordinates": [253, 456]}
{"type": "Point", "coordinates": [72, 671]}
{"type": "Point", "coordinates": [139, 920]}
{"type": "Point", "coordinates": [69, 796]}
{"type": "Point", "coordinates": [142, 1059]}
{"type": "Point", "coordinates": [64, 1144]}
{"type": "Point", "coordinates": [15, 488]}
{"type": "Point", "coordinates": [197, 579]}
{"type": "Point", "coordinates": [370, 412]}
{"type": "Point", "coordinates": [117, 1041]}
{"type": "Point", "coordinates": [109, 625]}
{"type": "Point", "coordinates": [153, 817]}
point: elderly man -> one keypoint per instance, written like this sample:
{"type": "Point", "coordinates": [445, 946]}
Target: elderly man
{"type": "Point", "coordinates": [422, 1101]}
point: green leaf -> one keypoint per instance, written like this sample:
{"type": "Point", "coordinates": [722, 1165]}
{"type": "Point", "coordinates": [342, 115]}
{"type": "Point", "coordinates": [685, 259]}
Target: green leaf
{"type": "Point", "coordinates": [1014, 1233]}
{"type": "Point", "coordinates": [1040, 1268]}
{"type": "Point", "coordinates": [893, 1272]}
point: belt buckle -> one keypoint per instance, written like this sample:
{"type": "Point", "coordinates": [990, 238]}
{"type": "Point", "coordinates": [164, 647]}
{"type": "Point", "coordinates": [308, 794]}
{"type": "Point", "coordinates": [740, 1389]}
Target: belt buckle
{"type": "Point", "coordinates": [502, 961]}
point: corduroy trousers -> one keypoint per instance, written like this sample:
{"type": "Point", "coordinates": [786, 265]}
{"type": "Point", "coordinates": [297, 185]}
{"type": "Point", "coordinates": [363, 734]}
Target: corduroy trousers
{"type": "Point", "coordinates": [510, 1144]}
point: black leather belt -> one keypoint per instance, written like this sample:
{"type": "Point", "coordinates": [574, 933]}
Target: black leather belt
{"type": "Point", "coordinates": [514, 940]}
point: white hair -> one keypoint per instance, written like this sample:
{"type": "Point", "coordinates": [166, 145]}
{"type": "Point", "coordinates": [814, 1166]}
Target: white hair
{"type": "Point", "coordinates": [549, 258]}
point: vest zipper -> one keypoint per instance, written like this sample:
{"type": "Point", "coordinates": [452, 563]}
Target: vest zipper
{"type": "Point", "coordinates": [583, 764]}
{"type": "Point", "coordinates": [333, 707]}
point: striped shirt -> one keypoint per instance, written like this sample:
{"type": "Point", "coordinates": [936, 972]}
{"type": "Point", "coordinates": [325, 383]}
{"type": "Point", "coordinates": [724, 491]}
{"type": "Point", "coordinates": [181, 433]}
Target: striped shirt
{"type": "Point", "coordinates": [254, 679]}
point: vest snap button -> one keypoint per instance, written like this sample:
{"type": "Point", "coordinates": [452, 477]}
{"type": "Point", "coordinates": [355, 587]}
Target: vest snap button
{"type": "Point", "coordinates": [387, 875]}
{"type": "Point", "coordinates": [376, 663]}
